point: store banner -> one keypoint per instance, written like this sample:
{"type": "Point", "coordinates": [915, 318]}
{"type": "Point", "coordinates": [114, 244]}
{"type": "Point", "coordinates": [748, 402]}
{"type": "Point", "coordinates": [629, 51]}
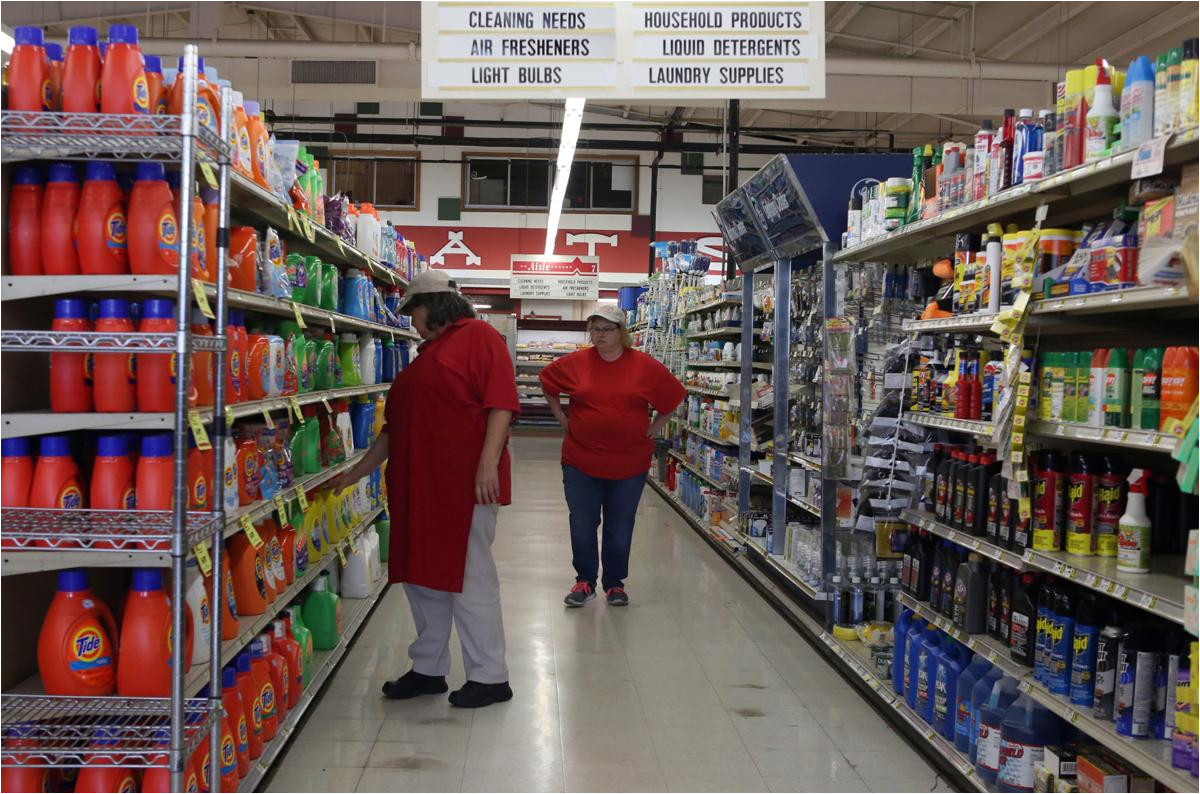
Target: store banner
{"type": "Point", "coordinates": [650, 51]}
{"type": "Point", "coordinates": [555, 277]}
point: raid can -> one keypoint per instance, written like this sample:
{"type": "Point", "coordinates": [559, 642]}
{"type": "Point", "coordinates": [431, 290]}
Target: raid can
{"type": "Point", "coordinates": [1107, 650]}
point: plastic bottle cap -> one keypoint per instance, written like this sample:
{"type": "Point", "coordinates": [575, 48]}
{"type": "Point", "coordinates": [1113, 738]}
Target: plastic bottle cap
{"type": "Point", "coordinates": [147, 579]}
{"type": "Point", "coordinates": [28, 34]}
{"type": "Point", "coordinates": [205, 692]}
{"type": "Point", "coordinates": [153, 64]}
{"type": "Point", "coordinates": [82, 35]}
{"type": "Point", "coordinates": [157, 445]}
{"type": "Point", "coordinates": [100, 172]}
{"type": "Point", "coordinates": [150, 172]}
{"type": "Point", "coordinates": [199, 65]}
{"type": "Point", "coordinates": [114, 308]}
{"type": "Point", "coordinates": [1140, 70]}
{"type": "Point", "coordinates": [243, 662]}
{"type": "Point", "coordinates": [105, 737]}
{"type": "Point", "coordinates": [54, 446]}
{"type": "Point", "coordinates": [70, 309]}
{"type": "Point", "coordinates": [16, 447]}
{"type": "Point", "coordinates": [54, 51]}
{"type": "Point", "coordinates": [1191, 49]}
{"type": "Point", "coordinates": [123, 34]}
{"type": "Point", "coordinates": [1102, 77]}
{"type": "Point", "coordinates": [257, 651]}
{"type": "Point", "coordinates": [27, 174]}
{"type": "Point", "coordinates": [158, 309]}
{"type": "Point", "coordinates": [228, 677]}
{"type": "Point", "coordinates": [112, 445]}
{"type": "Point", "coordinates": [72, 580]}
{"type": "Point", "coordinates": [251, 107]}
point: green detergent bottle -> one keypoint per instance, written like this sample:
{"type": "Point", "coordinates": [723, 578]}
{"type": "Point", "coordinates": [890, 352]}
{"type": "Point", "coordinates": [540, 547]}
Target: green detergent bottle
{"type": "Point", "coordinates": [329, 287]}
{"type": "Point", "coordinates": [323, 614]}
{"type": "Point", "coordinates": [303, 637]}
{"type": "Point", "coordinates": [348, 354]}
{"type": "Point", "coordinates": [312, 440]}
{"type": "Point", "coordinates": [296, 352]}
{"type": "Point", "coordinates": [297, 276]}
{"type": "Point", "coordinates": [383, 528]}
{"type": "Point", "coordinates": [325, 376]}
{"type": "Point", "coordinates": [316, 279]}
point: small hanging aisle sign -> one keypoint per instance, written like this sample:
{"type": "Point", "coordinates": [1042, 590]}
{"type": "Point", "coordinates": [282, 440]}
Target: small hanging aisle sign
{"type": "Point", "coordinates": [555, 277]}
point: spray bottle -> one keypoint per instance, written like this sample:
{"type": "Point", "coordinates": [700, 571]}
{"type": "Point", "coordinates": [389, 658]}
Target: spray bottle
{"type": "Point", "coordinates": [983, 147]}
{"type": "Point", "coordinates": [1101, 117]}
{"type": "Point", "coordinates": [1133, 531]}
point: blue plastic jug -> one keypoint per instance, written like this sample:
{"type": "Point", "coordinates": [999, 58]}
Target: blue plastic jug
{"type": "Point", "coordinates": [927, 664]}
{"type": "Point", "coordinates": [1026, 730]}
{"type": "Point", "coordinates": [952, 660]}
{"type": "Point", "coordinates": [912, 647]}
{"type": "Point", "coordinates": [378, 361]}
{"type": "Point", "coordinates": [362, 420]}
{"type": "Point", "coordinates": [900, 633]}
{"type": "Point", "coordinates": [980, 692]}
{"type": "Point", "coordinates": [962, 700]}
{"type": "Point", "coordinates": [991, 716]}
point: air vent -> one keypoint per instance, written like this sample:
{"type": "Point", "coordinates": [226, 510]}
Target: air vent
{"type": "Point", "coordinates": [338, 72]}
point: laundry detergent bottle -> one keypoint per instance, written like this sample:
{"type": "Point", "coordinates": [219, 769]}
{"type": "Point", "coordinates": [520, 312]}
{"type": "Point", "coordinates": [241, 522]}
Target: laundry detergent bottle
{"type": "Point", "coordinates": [260, 670]}
{"type": "Point", "coordinates": [123, 86]}
{"type": "Point", "coordinates": [115, 374]}
{"type": "Point", "coordinates": [286, 646]}
{"type": "Point", "coordinates": [112, 486]}
{"type": "Point", "coordinates": [231, 698]}
{"type": "Point", "coordinates": [16, 472]}
{"type": "Point", "coordinates": [144, 666]}
{"type": "Point", "coordinates": [29, 87]}
{"type": "Point", "coordinates": [60, 204]}
{"type": "Point", "coordinates": [81, 71]}
{"type": "Point", "coordinates": [71, 374]}
{"type": "Point", "coordinates": [77, 653]}
{"type": "Point", "coordinates": [25, 220]}
{"type": "Point", "coordinates": [56, 480]}
{"type": "Point", "coordinates": [300, 632]}
{"type": "Point", "coordinates": [153, 224]}
{"type": "Point", "coordinates": [157, 373]}
{"type": "Point", "coordinates": [101, 773]}
{"type": "Point", "coordinates": [101, 226]}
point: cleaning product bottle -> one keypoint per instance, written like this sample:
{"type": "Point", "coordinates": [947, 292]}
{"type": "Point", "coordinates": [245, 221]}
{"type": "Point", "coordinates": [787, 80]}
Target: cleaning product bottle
{"type": "Point", "coordinates": [258, 143]}
{"type": "Point", "coordinates": [1137, 104]}
{"type": "Point", "coordinates": [144, 664]}
{"type": "Point", "coordinates": [983, 145]}
{"type": "Point", "coordinates": [153, 223]}
{"type": "Point", "coordinates": [101, 773]}
{"type": "Point", "coordinates": [952, 660]}
{"type": "Point", "coordinates": [243, 258]}
{"type": "Point", "coordinates": [1181, 378]}
{"type": "Point", "coordinates": [287, 647]}
{"type": "Point", "coordinates": [1102, 117]}
{"type": "Point", "coordinates": [56, 482]}
{"type": "Point", "coordinates": [115, 374]}
{"type": "Point", "coordinates": [29, 87]}
{"type": "Point", "coordinates": [1097, 376]}
{"type": "Point", "coordinates": [1174, 87]}
{"type": "Point", "coordinates": [280, 674]}
{"type": "Point", "coordinates": [76, 650]}
{"type": "Point", "coordinates": [1088, 624]}
{"type": "Point", "coordinates": [154, 473]}
{"type": "Point", "coordinates": [81, 72]}
{"type": "Point", "coordinates": [230, 625]}
{"type": "Point", "coordinates": [123, 86]}
{"type": "Point", "coordinates": [252, 702]}
{"type": "Point", "coordinates": [100, 224]}
{"type": "Point", "coordinates": [927, 663]}
{"type": "Point", "coordinates": [60, 203]}
{"type": "Point", "coordinates": [16, 777]}
{"type": "Point", "coordinates": [1116, 388]}
{"type": "Point", "coordinates": [260, 670]}
{"type": "Point", "coordinates": [274, 585]}
{"type": "Point", "coordinates": [1110, 504]}
{"type": "Point", "coordinates": [25, 220]}
{"type": "Point", "coordinates": [112, 482]}
{"type": "Point", "coordinates": [991, 718]}
{"type": "Point", "coordinates": [156, 372]}
{"type": "Point", "coordinates": [154, 85]}
{"type": "Point", "coordinates": [1025, 731]}
{"type": "Point", "coordinates": [71, 373]}
{"type": "Point", "coordinates": [980, 693]}
{"type": "Point", "coordinates": [1146, 388]}
{"type": "Point", "coordinates": [1137, 662]}
{"type": "Point", "coordinates": [1187, 111]}
{"type": "Point", "coordinates": [1133, 532]}
{"type": "Point", "coordinates": [201, 612]}
{"type": "Point", "coordinates": [323, 614]}
{"type": "Point", "coordinates": [303, 637]}
{"type": "Point", "coordinates": [249, 575]}
{"type": "Point", "coordinates": [963, 722]}
{"type": "Point", "coordinates": [235, 710]}
{"type": "Point", "coordinates": [16, 472]}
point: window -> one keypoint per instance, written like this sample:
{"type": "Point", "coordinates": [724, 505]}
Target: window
{"type": "Point", "coordinates": [712, 188]}
{"type": "Point", "coordinates": [385, 181]}
{"type": "Point", "coordinates": [526, 183]}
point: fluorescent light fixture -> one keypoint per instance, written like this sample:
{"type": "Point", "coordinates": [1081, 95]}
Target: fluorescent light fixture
{"type": "Point", "coordinates": [482, 305]}
{"type": "Point", "coordinates": [572, 118]}
{"type": "Point", "coordinates": [7, 42]}
{"type": "Point", "coordinates": [607, 300]}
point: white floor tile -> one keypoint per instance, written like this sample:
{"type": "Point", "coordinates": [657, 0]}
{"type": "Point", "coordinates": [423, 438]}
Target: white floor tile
{"type": "Point", "coordinates": [384, 780]}
{"type": "Point", "coordinates": [691, 781]}
{"type": "Point", "coordinates": [305, 778]}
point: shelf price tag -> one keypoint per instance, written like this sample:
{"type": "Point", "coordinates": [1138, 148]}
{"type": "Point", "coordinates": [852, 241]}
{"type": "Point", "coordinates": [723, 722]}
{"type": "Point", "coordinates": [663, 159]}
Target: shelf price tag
{"type": "Point", "coordinates": [266, 415]}
{"type": "Point", "coordinates": [302, 498]}
{"type": "Point", "coordinates": [203, 560]}
{"type": "Point", "coordinates": [299, 317]}
{"type": "Point", "coordinates": [251, 533]}
{"type": "Point", "coordinates": [341, 552]}
{"type": "Point", "coordinates": [293, 218]}
{"type": "Point", "coordinates": [281, 509]}
{"type": "Point", "coordinates": [209, 176]}
{"type": "Point", "coordinates": [294, 404]}
{"type": "Point", "coordinates": [202, 299]}
{"type": "Point", "coordinates": [198, 431]}
{"type": "Point", "coordinates": [229, 414]}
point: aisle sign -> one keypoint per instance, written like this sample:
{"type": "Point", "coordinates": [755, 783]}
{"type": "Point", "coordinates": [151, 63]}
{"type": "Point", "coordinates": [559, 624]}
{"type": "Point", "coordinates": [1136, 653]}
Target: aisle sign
{"type": "Point", "coordinates": [621, 50]}
{"type": "Point", "coordinates": [556, 277]}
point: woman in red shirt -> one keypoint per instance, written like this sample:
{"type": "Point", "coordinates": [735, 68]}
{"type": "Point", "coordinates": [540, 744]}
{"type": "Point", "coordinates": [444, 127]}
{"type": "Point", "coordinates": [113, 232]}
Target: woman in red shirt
{"type": "Point", "coordinates": [609, 444]}
{"type": "Point", "coordinates": [446, 445]}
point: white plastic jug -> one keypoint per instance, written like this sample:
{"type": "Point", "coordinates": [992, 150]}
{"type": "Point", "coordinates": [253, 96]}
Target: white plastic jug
{"type": "Point", "coordinates": [198, 603]}
{"type": "Point", "coordinates": [376, 565]}
{"type": "Point", "coordinates": [367, 234]}
{"type": "Point", "coordinates": [345, 429]}
{"type": "Point", "coordinates": [366, 359]}
{"type": "Point", "coordinates": [276, 368]}
{"type": "Point", "coordinates": [231, 475]}
{"type": "Point", "coordinates": [356, 573]}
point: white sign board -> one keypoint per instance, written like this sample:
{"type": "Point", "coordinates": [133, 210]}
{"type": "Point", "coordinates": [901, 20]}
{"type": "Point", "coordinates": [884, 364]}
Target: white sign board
{"type": "Point", "coordinates": [557, 277]}
{"type": "Point", "coordinates": [622, 50]}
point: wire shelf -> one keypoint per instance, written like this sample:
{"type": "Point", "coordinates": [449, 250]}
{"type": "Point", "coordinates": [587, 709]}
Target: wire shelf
{"type": "Point", "coordinates": [93, 136]}
{"type": "Point", "coordinates": [35, 341]}
{"type": "Point", "coordinates": [139, 531]}
{"type": "Point", "coordinates": [50, 730]}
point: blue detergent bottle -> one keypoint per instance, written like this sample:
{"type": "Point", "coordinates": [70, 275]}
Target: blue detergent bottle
{"type": "Point", "coordinates": [952, 660]}
{"type": "Point", "coordinates": [974, 671]}
{"type": "Point", "coordinates": [927, 666]}
{"type": "Point", "coordinates": [900, 632]}
{"type": "Point", "coordinates": [916, 634]}
{"type": "Point", "coordinates": [1024, 733]}
{"type": "Point", "coordinates": [980, 693]}
{"type": "Point", "coordinates": [991, 716]}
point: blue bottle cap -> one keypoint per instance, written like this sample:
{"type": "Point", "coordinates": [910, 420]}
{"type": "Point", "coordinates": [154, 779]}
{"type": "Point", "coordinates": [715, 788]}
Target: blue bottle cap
{"type": "Point", "coordinates": [27, 174]}
{"type": "Point", "coordinates": [16, 447]}
{"type": "Point", "coordinates": [83, 35]}
{"type": "Point", "coordinates": [62, 172]}
{"type": "Point", "coordinates": [105, 737]}
{"type": "Point", "coordinates": [243, 662]}
{"type": "Point", "coordinates": [147, 172]}
{"type": "Point", "coordinates": [158, 309]}
{"type": "Point", "coordinates": [112, 445]}
{"type": "Point", "coordinates": [256, 648]}
{"type": "Point", "coordinates": [28, 34]}
{"type": "Point", "coordinates": [72, 580]}
{"type": "Point", "coordinates": [234, 317]}
{"type": "Point", "coordinates": [123, 34]}
{"type": "Point", "coordinates": [70, 308]}
{"type": "Point", "coordinates": [1140, 70]}
{"type": "Point", "coordinates": [228, 677]}
{"type": "Point", "coordinates": [199, 65]}
{"type": "Point", "coordinates": [114, 308]}
{"type": "Point", "coordinates": [100, 172]}
{"type": "Point", "coordinates": [103, 49]}
{"type": "Point", "coordinates": [157, 445]}
{"type": "Point", "coordinates": [54, 51]}
{"type": "Point", "coordinates": [153, 63]}
{"type": "Point", "coordinates": [54, 447]}
{"type": "Point", "coordinates": [147, 579]}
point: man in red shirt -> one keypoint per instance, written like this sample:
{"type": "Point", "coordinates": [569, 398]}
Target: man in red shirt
{"type": "Point", "coordinates": [609, 445]}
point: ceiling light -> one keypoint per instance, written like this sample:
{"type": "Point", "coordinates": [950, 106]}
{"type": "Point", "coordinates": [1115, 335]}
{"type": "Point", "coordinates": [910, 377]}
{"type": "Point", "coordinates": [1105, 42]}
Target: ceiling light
{"type": "Point", "coordinates": [607, 300]}
{"type": "Point", "coordinates": [482, 305]}
{"type": "Point", "coordinates": [7, 42]}
{"type": "Point", "coordinates": [572, 117]}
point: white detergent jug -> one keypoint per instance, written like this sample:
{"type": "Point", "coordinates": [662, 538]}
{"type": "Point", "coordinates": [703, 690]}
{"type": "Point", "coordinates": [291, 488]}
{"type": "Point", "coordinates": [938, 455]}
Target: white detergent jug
{"type": "Point", "coordinates": [200, 606]}
{"type": "Point", "coordinates": [356, 573]}
{"type": "Point", "coordinates": [230, 501]}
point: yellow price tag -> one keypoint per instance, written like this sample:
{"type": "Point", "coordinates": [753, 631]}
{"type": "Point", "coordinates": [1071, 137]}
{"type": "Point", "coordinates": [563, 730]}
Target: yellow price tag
{"type": "Point", "coordinates": [266, 415]}
{"type": "Point", "coordinates": [281, 510]}
{"type": "Point", "coordinates": [299, 317]}
{"type": "Point", "coordinates": [245, 523]}
{"type": "Point", "coordinates": [310, 231]}
{"type": "Point", "coordinates": [228, 414]}
{"type": "Point", "coordinates": [341, 554]}
{"type": "Point", "coordinates": [295, 405]}
{"type": "Point", "coordinates": [203, 560]}
{"type": "Point", "coordinates": [198, 431]}
{"type": "Point", "coordinates": [302, 498]}
{"type": "Point", "coordinates": [341, 247]}
{"type": "Point", "coordinates": [202, 299]}
{"type": "Point", "coordinates": [292, 218]}
{"type": "Point", "coordinates": [252, 535]}
{"type": "Point", "coordinates": [209, 176]}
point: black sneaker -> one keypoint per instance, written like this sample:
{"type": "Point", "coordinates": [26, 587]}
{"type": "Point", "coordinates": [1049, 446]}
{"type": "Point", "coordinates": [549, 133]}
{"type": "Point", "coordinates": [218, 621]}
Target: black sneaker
{"type": "Point", "coordinates": [412, 684]}
{"type": "Point", "coordinates": [580, 594]}
{"type": "Point", "coordinates": [475, 695]}
{"type": "Point", "coordinates": [617, 597]}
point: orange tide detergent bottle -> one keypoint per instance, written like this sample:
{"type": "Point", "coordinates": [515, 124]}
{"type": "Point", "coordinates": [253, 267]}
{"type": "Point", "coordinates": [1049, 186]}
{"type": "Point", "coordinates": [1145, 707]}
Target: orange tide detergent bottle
{"type": "Point", "coordinates": [268, 531]}
{"type": "Point", "coordinates": [77, 655]}
{"type": "Point", "coordinates": [153, 223]}
{"type": "Point", "coordinates": [154, 473]}
{"type": "Point", "coordinates": [157, 372]}
{"type": "Point", "coordinates": [60, 203]}
{"type": "Point", "coordinates": [54, 71]}
{"type": "Point", "coordinates": [16, 472]}
{"type": "Point", "coordinates": [231, 698]}
{"type": "Point", "coordinates": [229, 618]}
{"type": "Point", "coordinates": [158, 778]}
{"type": "Point", "coordinates": [227, 749]}
{"type": "Point", "coordinates": [289, 649]}
{"type": "Point", "coordinates": [277, 665]}
{"type": "Point", "coordinates": [56, 481]}
{"type": "Point", "coordinates": [144, 666]}
{"type": "Point", "coordinates": [260, 668]}
{"type": "Point", "coordinates": [102, 772]}
{"type": "Point", "coordinates": [258, 366]}
{"type": "Point", "coordinates": [154, 85]}
{"type": "Point", "coordinates": [201, 757]}
{"type": "Point", "coordinates": [243, 157]}
{"type": "Point", "coordinates": [235, 372]}
{"type": "Point", "coordinates": [29, 87]}
{"type": "Point", "coordinates": [114, 375]}
{"type": "Point", "coordinates": [248, 566]}
{"type": "Point", "coordinates": [198, 247]}
{"type": "Point", "coordinates": [101, 230]}
{"type": "Point", "coordinates": [81, 72]}
{"type": "Point", "coordinates": [208, 105]}
{"type": "Point", "coordinates": [243, 258]}
{"type": "Point", "coordinates": [71, 374]}
{"type": "Point", "coordinates": [209, 199]}
{"type": "Point", "coordinates": [23, 778]}
{"type": "Point", "coordinates": [25, 221]}
{"type": "Point", "coordinates": [199, 475]}
{"type": "Point", "coordinates": [252, 702]}
{"type": "Point", "coordinates": [112, 486]}
{"type": "Point", "coordinates": [123, 86]}
{"type": "Point", "coordinates": [259, 141]}
{"type": "Point", "coordinates": [202, 364]}
{"type": "Point", "coordinates": [249, 477]}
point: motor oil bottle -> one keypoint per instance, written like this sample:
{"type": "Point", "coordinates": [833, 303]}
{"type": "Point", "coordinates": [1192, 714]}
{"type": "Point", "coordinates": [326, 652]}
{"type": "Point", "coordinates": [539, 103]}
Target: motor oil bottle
{"type": "Point", "coordinates": [1061, 645]}
{"type": "Point", "coordinates": [1081, 504]}
{"type": "Point", "coordinates": [1008, 588]}
{"type": "Point", "coordinates": [923, 563]}
{"type": "Point", "coordinates": [949, 571]}
{"type": "Point", "coordinates": [25, 220]}
{"type": "Point", "coordinates": [1108, 650]}
{"type": "Point", "coordinates": [101, 227]}
{"type": "Point", "coordinates": [967, 463]}
{"type": "Point", "coordinates": [942, 484]}
{"type": "Point", "coordinates": [1096, 387]}
{"type": "Point", "coordinates": [144, 664]}
{"type": "Point", "coordinates": [1110, 504]}
{"type": "Point", "coordinates": [1116, 388]}
{"type": "Point", "coordinates": [952, 661]}
{"type": "Point", "coordinates": [1049, 501]}
{"type": "Point", "coordinates": [1025, 731]}
{"type": "Point", "coordinates": [1089, 622]}
{"type": "Point", "coordinates": [971, 595]}
{"type": "Point", "coordinates": [976, 505]}
{"type": "Point", "coordinates": [899, 651]}
{"type": "Point", "coordinates": [997, 496]}
{"type": "Point", "coordinates": [1146, 388]}
{"type": "Point", "coordinates": [974, 672]}
{"type": "Point", "coordinates": [71, 374]}
{"type": "Point", "coordinates": [935, 574]}
{"type": "Point", "coordinates": [1136, 664]}
{"type": "Point", "coordinates": [926, 672]}
{"type": "Point", "coordinates": [231, 698]}
{"type": "Point", "coordinates": [286, 646]}
{"type": "Point", "coordinates": [1022, 638]}
{"type": "Point", "coordinates": [991, 717]}
{"type": "Point", "coordinates": [1134, 529]}
{"type": "Point", "coordinates": [1020, 529]}
{"type": "Point", "coordinates": [81, 72]}
{"type": "Point", "coordinates": [252, 703]}
{"type": "Point", "coordinates": [996, 573]}
{"type": "Point", "coordinates": [76, 648]}
{"type": "Point", "coordinates": [60, 204]}
{"type": "Point", "coordinates": [1005, 526]}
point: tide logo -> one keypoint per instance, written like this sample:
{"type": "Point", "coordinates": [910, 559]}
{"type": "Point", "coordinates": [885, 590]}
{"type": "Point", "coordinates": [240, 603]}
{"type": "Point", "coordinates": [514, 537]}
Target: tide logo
{"type": "Point", "coordinates": [260, 151]}
{"type": "Point", "coordinates": [71, 498]}
{"type": "Point", "coordinates": [205, 611]}
{"type": "Point", "coordinates": [267, 696]}
{"type": "Point", "coordinates": [87, 649]}
{"type": "Point", "coordinates": [243, 144]}
{"type": "Point", "coordinates": [129, 499]}
{"type": "Point", "coordinates": [260, 577]}
{"type": "Point", "coordinates": [47, 95]}
{"type": "Point", "coordinates": [243, 736]}
{"type": "Point", "coordinates": [230, 599]}
{"type": "Point", "coordinates": [235, 370]}
{"type": "Point", "coordinates": [168, 230]}
{"type": "Point", "coordinates": [228, 755]}
{"type": "Point", "coordinates": [204, 113]}
{"type": "Point", "coordinates": [128, 784]}
{"type": "Point", "coordinates": [174, 367]}
{"type": "Point", "coordinates": [230, 478]}
{"type": "Point", "coordinates": [257, 714]}
{"type": "Point", "coordinates": [200, 493]}
{"type": "Point", "coordinates": [141, 94]}
{"type": "Point", "coordinates": [191, 784]}
{"type": "Point", "coordinates": [131, 369]}
{"type": "Point", "coordinates": [274, 250]}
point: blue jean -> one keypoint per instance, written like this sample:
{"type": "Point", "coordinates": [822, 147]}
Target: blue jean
{"type": "Point", "coordinates": [589, 498]}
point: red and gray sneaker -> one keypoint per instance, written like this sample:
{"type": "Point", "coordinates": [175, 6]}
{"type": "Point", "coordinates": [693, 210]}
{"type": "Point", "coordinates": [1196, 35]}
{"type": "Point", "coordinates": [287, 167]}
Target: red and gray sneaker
{"type": "Point", "coordinates": [580, 594]}
{"type": "Point", "coordinates": [617, 597]}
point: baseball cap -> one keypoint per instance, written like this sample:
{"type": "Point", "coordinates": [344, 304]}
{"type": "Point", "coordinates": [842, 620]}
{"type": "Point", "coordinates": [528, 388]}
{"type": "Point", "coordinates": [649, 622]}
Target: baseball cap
{"type": "Point", "coordinates": [426, 283]}
{"type": "Point", "coordinates": [608, 311]}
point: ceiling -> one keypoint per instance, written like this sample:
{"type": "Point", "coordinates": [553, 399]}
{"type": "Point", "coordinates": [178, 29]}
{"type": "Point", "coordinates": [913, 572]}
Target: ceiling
{"type": "Point", "coordinates": [898, 73]}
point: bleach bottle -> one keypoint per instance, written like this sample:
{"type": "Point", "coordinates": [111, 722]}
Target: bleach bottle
{"type": "Point", "coordinates": [76, 648]}
{"type": "Point", "coordinates": [926, 671]}
{"type": "Point", "coordinates": [974, 672]}
{"type": "Point", "coordinates": [1024, 733]}
{"type": "Point", "coordinates": [951, 661]}
{"type": "Point", "coordinates": [991, 715]}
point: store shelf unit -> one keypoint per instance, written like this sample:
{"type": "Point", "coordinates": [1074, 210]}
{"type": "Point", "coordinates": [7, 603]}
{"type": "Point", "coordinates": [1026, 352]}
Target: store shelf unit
{"type": "Point", "coordinates": [983, 430]}
{"type": "Point", "coordinates": [759, 365]}
{"type": "Point", "coordinates": [992, 649]}
{"type": "Point", "coordinates": [929, 523]}
{"type": "Point", "coordinates": [711, 306]}
{"type": "Point", "coordinates": [709, 392]}
{"type": "Point", "coordinates": [718, 333]}
{"type": "Point", "coordinates": [758, 545]}
{"type": "Point", "coordinates": [696, 470]}
{"type": "Point", "coordinates": [709, 437]}
{"type": "Point", "coordinates": [729, 539]}
{"type": "Point", "coordinates": [1148, 440]}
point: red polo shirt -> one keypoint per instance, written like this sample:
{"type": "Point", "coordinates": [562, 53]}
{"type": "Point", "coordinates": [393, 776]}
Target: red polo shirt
{"type": "Point", "coordinates": [436, 420]}
{"type": "Point", "coordinates": [610, 409]}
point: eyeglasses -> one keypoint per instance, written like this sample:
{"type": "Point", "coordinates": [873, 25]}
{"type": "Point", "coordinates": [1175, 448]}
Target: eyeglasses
{"type": "Point", "coordinates": [603, 329]}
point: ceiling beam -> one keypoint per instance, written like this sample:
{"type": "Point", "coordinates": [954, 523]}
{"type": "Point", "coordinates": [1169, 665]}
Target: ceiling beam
{"type": "Point", "coordinates": [1034, 30]}
{"type": "Point", "coordinates": [1116, 50]}
{"type": "Point", "coordinates": [302, 25]}
{"type": "Point", "coordinates": [297, 10]}
{"type": "Point", "coordinates": [931, 30]}
{"type": "Point", "coordinates": [840, 19]}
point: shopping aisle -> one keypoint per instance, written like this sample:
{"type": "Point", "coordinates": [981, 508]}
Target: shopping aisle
{"type": "Point", "coordinates": [699, 685]}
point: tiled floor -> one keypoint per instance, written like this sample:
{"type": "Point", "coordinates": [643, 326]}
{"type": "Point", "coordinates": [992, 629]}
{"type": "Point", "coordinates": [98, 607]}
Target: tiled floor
{"type": "Point", "coordinates": [697, 686]}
